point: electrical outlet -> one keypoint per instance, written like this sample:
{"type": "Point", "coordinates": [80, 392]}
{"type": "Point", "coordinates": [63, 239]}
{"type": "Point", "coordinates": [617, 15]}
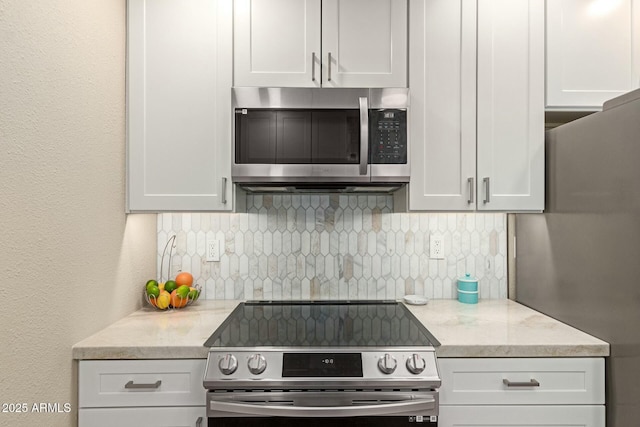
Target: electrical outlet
{"type": "Point", "coordinates": [213, 250]}
{"type": "Point", "coordinates": [436, 247]}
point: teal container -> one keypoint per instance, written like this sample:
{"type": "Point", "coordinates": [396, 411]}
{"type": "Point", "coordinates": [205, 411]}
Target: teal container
{"type": "Point", "coordinates": [468, 289]}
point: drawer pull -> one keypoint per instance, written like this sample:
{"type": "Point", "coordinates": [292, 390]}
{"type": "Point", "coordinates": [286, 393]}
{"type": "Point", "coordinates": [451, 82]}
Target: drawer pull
{"type": "Point", "coordinates": [199, 422]}
{"type": "Point", "coordinates": [131, 384]}
{"type": "Point", "coordinates": [531, 383]}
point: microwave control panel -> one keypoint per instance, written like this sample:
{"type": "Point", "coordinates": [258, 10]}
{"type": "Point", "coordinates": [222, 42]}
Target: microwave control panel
{"type": "Point", "coordinates": [388, 136]}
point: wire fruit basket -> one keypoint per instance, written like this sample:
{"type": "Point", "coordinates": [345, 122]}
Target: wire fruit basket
{"type": "Point", "coordinates": [170, 294]}
{"type": "Point", "coordinates": [174, 299]}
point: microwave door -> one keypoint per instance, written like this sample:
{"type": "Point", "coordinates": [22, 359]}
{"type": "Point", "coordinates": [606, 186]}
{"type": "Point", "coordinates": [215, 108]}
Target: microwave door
{"type": "Point", "coordinates": [301, 145]}
{"type": "Point", "coordinates": [340, 144]}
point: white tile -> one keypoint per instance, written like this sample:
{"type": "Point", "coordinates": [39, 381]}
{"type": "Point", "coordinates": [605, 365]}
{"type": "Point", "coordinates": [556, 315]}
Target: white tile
{"type": "Point", "coordinates": [404, 266]}
{"type": "Point", "coordinates": [191, 243]}
{"type": "Point", "coordinates": [305, 287]}
{"type": "Point", "coordinates": [372, 243]}
{"type": "Point", "coordinates": [376, 266]}
{"type": "Point", "coordinates": [324, 243]}
{"type": "Point", "coordinates": [262, 219]}
{"type": "Point", "coordinates": [409, 243]}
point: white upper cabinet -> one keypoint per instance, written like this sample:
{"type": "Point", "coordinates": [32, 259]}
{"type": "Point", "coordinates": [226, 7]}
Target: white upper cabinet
{"type": "Point", "coordinates": [593, 52]}
{"type": "Point", "coordinates": [477, 105]}
{"type": "Point", "coordinates": [277, 43]}
{"type": "Point", "coordinates": [309, 43]}
{"type": "Point", "coordinates": [510, 118]}
{"type": "Point", "coordinates": [179, 78]}
{"type": "Point", "coordinates": [364, 43]}
{"type": "Point", "coordinates": [442, 78]}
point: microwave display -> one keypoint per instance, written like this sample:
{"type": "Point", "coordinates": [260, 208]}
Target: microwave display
{"type": "Point", "coordinates": [388, 136]}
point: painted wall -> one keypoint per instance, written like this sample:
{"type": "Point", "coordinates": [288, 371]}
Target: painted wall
{"type": "Point", "coordinates": [335, 247]}
{"type": "Point", "coordinates": [71, 261]}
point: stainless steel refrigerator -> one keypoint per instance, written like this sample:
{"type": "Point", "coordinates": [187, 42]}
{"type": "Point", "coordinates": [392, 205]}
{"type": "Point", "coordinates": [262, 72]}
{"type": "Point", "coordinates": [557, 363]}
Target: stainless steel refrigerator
{"type": "Point", "coordinates": [579, 261]}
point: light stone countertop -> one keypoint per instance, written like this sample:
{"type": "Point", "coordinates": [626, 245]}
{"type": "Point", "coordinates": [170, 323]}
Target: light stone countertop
{"type": "Point", "coordinates": [502, 328]}
{"type": "Point", "coordinates": [491, 328]}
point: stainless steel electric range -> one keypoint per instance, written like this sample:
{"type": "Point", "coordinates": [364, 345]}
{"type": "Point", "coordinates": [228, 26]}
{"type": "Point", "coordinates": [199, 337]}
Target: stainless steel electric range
{"type": "Point", "coordinates": [350, 363]}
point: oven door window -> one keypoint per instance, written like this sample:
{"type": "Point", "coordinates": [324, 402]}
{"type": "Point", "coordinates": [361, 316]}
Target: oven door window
{"type": "Point", "coordinates": [297, 136]}
{"type": "Point", "coordinates": [391, 421]}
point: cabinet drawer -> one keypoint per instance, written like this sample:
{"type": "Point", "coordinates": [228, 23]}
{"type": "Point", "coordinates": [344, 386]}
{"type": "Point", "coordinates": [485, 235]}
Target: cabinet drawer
{"type": "Point", "coordinates": [484, 381]}
{"type": "Point", "coordinates": [525, 416]}
{"type": "Point", "coordinates": [185, 416]}
{"type": "Point", "coordinates": [174, 382]}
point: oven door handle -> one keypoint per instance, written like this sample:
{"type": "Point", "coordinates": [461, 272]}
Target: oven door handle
{"type": "Point", "coordinates": [415, 405]}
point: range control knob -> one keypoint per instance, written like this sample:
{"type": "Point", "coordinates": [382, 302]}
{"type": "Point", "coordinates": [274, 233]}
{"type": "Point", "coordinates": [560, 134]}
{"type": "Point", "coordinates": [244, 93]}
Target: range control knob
{"type": "Point", "coordinates": [257, 364]}
{"type": "Point", "coordinates": [416, 364]}
{"type": "Point", "coordinates": [387, 364]}
{"type": "Point", "coordinates": [228, 364]}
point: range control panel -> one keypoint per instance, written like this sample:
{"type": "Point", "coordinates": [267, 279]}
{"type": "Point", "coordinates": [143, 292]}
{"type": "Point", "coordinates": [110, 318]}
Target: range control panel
{"type": "Point", "coordinates": [388, 136]}
{"type": "Point", "coordinates": [319, 368]}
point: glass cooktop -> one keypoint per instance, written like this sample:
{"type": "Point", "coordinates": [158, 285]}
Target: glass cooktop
{"type": "Point", "coordinates": [321, 324]}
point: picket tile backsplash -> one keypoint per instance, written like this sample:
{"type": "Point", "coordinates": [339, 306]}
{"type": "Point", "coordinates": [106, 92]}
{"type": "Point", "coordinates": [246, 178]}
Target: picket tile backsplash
{"type": "Point", "coordinates": [334, 247]}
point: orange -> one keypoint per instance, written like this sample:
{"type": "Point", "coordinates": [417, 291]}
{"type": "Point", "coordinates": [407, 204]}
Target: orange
{"type": "Point", "coordinates": [177, 301]}
{"type": "Point", "coordinates": [184, 278]}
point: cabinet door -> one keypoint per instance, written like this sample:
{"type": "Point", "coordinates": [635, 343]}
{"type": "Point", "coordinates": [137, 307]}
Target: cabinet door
{"type": "Point", "coordinates": [188, 416]}
{"type": "Point", "coordinates": [179, 104]}
{"type": "Point", "coordinates": [442, 77]}
{"type": "Point", "coordinates": [364, 43]}
{"type": "Point", "coordinates": [510, 169]}
{"type": "Point", "coordinates": [525, 416]}
{"type": "Point", "coordinates": [277, 43]}
{"type": "Point", "coordinates": [593, 52]}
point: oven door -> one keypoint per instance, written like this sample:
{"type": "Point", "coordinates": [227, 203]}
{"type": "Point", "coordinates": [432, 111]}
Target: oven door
{"type": "Point", "coordinates": [310, 408]}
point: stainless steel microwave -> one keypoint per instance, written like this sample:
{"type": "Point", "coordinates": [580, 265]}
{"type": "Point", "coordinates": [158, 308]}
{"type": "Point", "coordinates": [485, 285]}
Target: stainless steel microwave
{"type": "Point", "coordinates": [297, 139]}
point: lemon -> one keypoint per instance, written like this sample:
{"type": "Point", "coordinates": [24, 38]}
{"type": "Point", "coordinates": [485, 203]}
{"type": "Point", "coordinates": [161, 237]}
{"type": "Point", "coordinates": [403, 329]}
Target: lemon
{"type": "Point", "coordinates": [161, 286]}
{"type": "Point", "coordinates": [162, 302]}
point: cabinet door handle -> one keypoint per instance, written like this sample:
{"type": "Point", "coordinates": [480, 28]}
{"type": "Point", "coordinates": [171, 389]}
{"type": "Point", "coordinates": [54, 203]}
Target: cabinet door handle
{"type": "Point", "coordinates": [470, 181]}
{"type": "Point", "coordinates": [530, 383]}
{"type": "Point", "coordinates": [224, 190]}
{"type": "Point", "coordinates": [313, 66]}
{"type": "Point", "coordinates": [329, 66]}
{"type": "Point", "coordinates": [487, 190]}
{"type": "Point", "coordinates": [199, 422]}
{"type": "Point", "coordinates": [133, 385]}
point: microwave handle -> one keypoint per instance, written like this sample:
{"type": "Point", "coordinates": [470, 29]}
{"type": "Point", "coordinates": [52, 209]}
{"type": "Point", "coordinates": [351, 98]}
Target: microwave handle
{"type": "Point", "coordinates": [364, 134]}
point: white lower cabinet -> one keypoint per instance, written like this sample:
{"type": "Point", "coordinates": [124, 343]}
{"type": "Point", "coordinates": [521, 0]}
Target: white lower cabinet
{"type": "Point", "coordinates": [194, 416]}
{"type": "Point", "coordinates": [519, 416]}
{"type": "Point", "coordinates": [522, 392]}
{"type": "Point", "coordinates": [141, 393]}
